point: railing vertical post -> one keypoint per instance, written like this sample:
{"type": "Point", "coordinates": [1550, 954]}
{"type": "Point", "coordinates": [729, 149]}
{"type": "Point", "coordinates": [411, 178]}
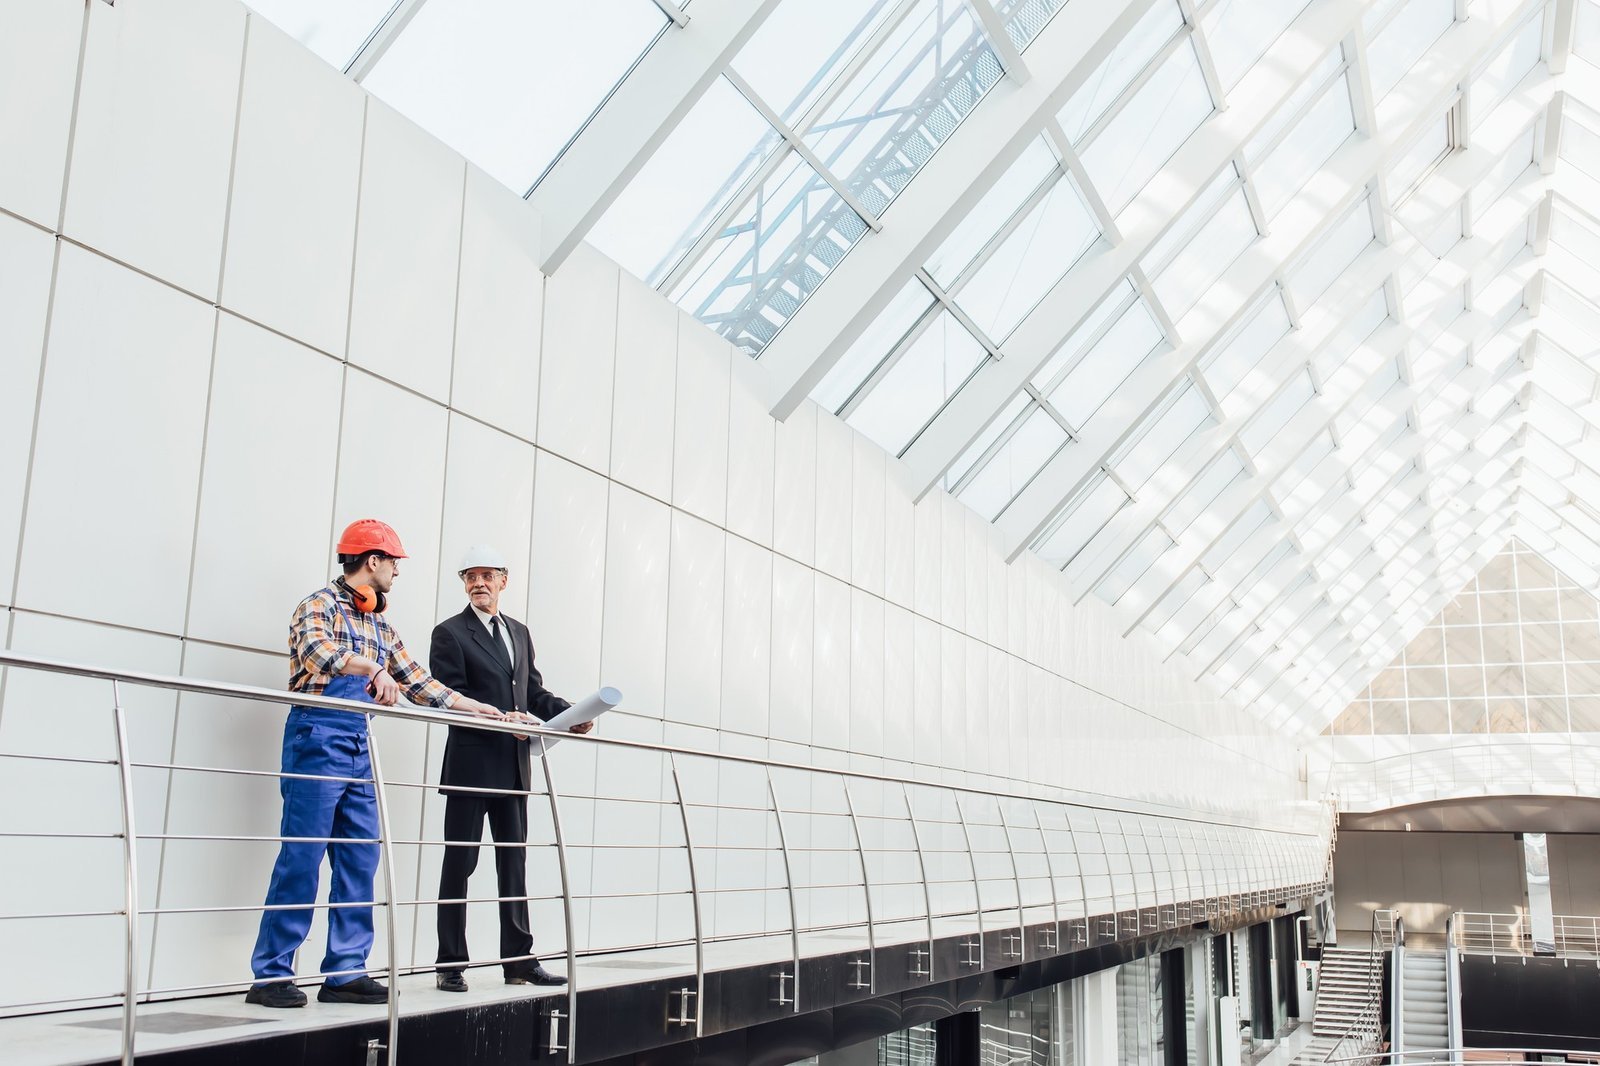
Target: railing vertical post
{"type": "Point", "coordinates": [694, 897]}
{"type": "Point", "coordinates": [566, 904]}
{"type": "Point", "coordinates": [866, 887]}
{"type": "Point", "coordinates": [1050, 871]}
{"type": "Point", "coordinates": [977, 882]}
{"type": "Point", "coordinates": [922, 865]}
{"type": "Point", "coordinates": [794, 913]}
{"type": "Point", "coordinates": [386, 849]}
{"type": "Point", "coordinates": [1016, 877]}
{"type": "Point", "coordinates": [130, 876]}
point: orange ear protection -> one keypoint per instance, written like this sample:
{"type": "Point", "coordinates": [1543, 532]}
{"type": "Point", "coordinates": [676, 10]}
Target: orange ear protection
{"type": "Point", "coordinates": [367, 599]}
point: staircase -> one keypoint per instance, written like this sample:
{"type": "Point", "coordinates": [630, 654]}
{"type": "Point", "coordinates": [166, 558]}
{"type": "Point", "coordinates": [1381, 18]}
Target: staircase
{"type": "Point", "coordinates": [1425, 1014]}
{"type": "Point", "coordinates": [1346, 982]}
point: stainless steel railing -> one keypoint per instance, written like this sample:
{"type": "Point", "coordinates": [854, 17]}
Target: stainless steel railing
{"type": "Point", "coordinates": [1577, 936]}
{"type": "Point", "coordinates": [1364, 1034]}
{"type": "Point", "coordinates": [730, 854]}
{"type": "Point", "coordinates": [1465, 1056]}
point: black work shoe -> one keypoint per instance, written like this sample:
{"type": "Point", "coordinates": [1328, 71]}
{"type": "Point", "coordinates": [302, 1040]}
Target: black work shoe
{"type": "Point", "coordinates": [533, 975]}
{"type": "Point", "coordinates": [450, 981]}
{"type": "Point", "coordinates": [362, 990]}
{"type": "Point", "coordinates": [276, 994]}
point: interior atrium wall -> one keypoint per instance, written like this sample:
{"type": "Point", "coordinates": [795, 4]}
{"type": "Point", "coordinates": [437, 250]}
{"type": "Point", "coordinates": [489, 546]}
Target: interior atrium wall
{"type": "Point", "coordinates": [242, 304]}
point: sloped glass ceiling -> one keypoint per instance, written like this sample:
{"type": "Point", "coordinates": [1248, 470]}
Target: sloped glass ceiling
{"type": "Point", "coordinates": [1268, 322]}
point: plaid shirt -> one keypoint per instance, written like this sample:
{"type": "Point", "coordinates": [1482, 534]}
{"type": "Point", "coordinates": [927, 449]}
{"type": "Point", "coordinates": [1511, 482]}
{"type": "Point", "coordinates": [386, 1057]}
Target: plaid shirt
{"type": "Point", "coordinates": [319, 644]}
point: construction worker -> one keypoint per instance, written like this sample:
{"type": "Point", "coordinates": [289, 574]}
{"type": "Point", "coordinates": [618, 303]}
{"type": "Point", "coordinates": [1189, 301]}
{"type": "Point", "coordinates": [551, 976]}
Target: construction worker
{"type": "Point", "coordinates": [341, 646]}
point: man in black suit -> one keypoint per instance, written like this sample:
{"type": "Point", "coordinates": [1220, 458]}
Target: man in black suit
{"type": "Point", "coordinates": [485, 655]}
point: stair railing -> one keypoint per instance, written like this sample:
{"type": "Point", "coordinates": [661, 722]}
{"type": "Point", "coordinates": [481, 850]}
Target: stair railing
{"type": "Point", "coordinates": [1364, 1035]}
{"type": "Point", "coordinates": [1452, 978]}
{"type": "Point", "coordinates": [1397, 963]}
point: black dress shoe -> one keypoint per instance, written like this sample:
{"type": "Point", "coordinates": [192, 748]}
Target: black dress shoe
{"type": "Point", "coordinates": [276, 994]}
{"type": "Point", "coordinates": [450, 981]}
{"type": "Point", "coordinates": [362, 990]}
{"type": "Point", "coordinates": [533, 975]}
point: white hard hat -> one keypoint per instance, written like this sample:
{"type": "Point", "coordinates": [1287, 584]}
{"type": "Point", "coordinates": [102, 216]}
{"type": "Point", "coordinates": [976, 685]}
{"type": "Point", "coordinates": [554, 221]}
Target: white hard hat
{"type": "Point", "coordinates": [481, 555]}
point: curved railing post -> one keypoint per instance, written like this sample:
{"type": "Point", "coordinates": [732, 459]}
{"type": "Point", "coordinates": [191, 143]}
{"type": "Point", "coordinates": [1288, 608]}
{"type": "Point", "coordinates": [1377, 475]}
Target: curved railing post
{"type": "Point", "coordinates": [130, 875]}
{"type": "Point", "coordinates": [566, 911]}
{"type": "Point", "coordinates": [922, 866]}
{"type": "Point", "coordinates": [794, 912]}
{"type": "Point", "coordinates": [977, 882]}
{"type": "Point", "coordinates": [694, 899]}
{"type": "Point", "coordinates": [386, 850]}
{"type": "Point", "coordinates": [866, 888]}
{"type": "Point", "coordinates": [1016, 877]}
{"type": "Point", "coordinates": [1054, 945]}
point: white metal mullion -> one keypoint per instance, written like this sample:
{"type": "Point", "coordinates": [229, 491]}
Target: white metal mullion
{"type": "Point", "coordinates": [798, 144]}
{"type": "Point", "coordinates": [1012, 223]}
{"type": "Point", "coordinates": [679, 17]}
{"type": "Point", "coordinates": [1120, 104]}
{"type": "Point", "coordinates": [995, 30]}
{"type": "Point", "coordinates": [1563, 16]}
{"type": "Point", "coordinates": [949, 304]}
{"type": "Point", "coordinates": [382, 36]}
{"type": "Point", "coordinates": [1252, 199]}
{"type": "Point", "coordinates": [1202, 49]}
{"type": "Point", "coordinates": [723, 219]}
{"type": "Point", "coordinates": [1073, 165]}
{"type": "Point", "coordinates": [1169, 328]}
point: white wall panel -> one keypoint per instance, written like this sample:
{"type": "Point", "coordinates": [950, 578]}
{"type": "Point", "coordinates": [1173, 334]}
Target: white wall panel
{"type": "Point", "coordinates": [566, 592]}
{"type": "Point", "coordinates": [694, 621]}
{"type": "Point", "coordinates": [976, 577]}
{"type": "Point", "coordinates": [794, 512]}
{"type": "Point", "coordinates": [793, 638]}
{"type": "Point", "coordinates": [27, 257]}
{"type": "Point", "coordinates": [292, 226]}
{"type": "Point", "coordinates": [752, 444]}
{"type": "Point", "coordinates": [952, 562]}
{"type": "Point", "coordinates": [634, 643]}
{"type": "Point", "coordinates": [867, 673]}
{"type": "Point", "coordinates": [953, 708]}
{"type": "Point", "coordinates": [153, 142]}
{"type": "Point", "coordinates": [900, 537]}
{"type": "Point", "coordinates": [38, 63]}
{"type": "Point", "coordinates": [927, 745]}
{"type": "Point", "coordinates": [867, 522]}
{"type": "Point", "coordinates": [830, 688]}
{"type": "Point", "coordinates": [408, 244]}
{"type": "Point", "coordinates": [255, 463]}
{"type": "Point", "coordinates": [488, 499]}
{"type": "Point", "coordinates": [643, 411]}
{"type": "Point", "coordinates": [397, 477]}
{"type": "Point", "coordinates": [928, 567]}
{"type": "Point", "coordinates": [835, 477]}
{"type": "Point", "coordinates": [747, 638]}
{"type": "Point", "coordinates": [700, 439]}
{"type": "Point", "coordinates": [578, 359]}
{"type": "Point", "coordinates": [499, 309]}
{"type": "Point", "coordinates": [899, 686]}
{"type": "Point", "coordinates": [121, 421]}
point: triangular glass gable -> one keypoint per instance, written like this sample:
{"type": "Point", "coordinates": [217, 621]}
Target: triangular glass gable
{"type": "Point", "coordinates": [1517, 651]}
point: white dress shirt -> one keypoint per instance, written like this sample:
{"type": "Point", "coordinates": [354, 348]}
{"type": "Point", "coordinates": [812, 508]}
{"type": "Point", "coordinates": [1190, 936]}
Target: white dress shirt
{"type": "Point", "coordinates": [505, 630]}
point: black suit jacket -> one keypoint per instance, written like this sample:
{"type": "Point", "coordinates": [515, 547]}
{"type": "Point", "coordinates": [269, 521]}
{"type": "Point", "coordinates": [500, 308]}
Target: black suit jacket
{"type": "Point", "coordinates": [463, 656]}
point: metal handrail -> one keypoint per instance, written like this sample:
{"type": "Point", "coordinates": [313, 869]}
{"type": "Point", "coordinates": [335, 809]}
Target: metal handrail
{"type": "Point", "coordinates": [1577, 936]}
{"type": "Point", "coordinates": [938, 844]}
{"type": "Point", "coordinates": [1458, 1053]}
{"type": "Point", "coordinates": [1367, 1026]}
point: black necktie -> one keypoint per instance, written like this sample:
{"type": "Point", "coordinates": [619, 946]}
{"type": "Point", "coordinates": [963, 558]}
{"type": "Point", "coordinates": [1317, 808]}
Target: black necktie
{"type": "Point", "coordinates": [499, 645]}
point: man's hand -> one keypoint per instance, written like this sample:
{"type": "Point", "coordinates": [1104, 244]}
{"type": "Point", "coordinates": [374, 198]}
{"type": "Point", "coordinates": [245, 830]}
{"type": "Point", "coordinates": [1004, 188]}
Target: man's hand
{"type": "Point", "coordinates": [581, 727]}
{"type": "Point", "coordinates": [385, 691]}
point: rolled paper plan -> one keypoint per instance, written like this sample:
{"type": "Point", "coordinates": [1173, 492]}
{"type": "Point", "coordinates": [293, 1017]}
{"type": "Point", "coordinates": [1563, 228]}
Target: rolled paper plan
{"type": "Point", "coordinates": [585, 710]}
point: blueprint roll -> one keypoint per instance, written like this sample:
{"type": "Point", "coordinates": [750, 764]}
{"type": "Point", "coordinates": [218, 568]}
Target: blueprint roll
{"type": "Point", "coordinates": [585, 710]}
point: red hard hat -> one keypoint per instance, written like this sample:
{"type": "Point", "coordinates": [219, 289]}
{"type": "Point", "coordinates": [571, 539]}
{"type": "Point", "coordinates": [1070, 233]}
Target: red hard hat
{"type": "Point", "coordinates": [370, 535]}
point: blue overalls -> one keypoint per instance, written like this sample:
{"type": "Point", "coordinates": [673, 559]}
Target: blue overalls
{"type": "Point", "coordinates": [324, 743]}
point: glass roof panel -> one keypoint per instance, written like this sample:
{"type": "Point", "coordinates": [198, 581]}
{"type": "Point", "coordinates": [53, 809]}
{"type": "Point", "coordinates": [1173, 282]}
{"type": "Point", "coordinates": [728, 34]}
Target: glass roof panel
{"type": "Point", "coordinates": [697, 171]}
{"type": "Point", "coordinates": [501, 82]}
{"type": "Point", "coordinates": [1258, 515]}
{"type": "Point", "coordinates": [1158, 118]}
{"type": "Point", "coordinates": [1240, 32]}
{"type": "Point", "coordinates": [998, 207]}
{"type": "Point", "coordinates": [1430, 147]}
{"type": "Point", "coordinates": [1227, 231]}
{"type": "Point", "coordinates": [1506, 171]}
{"type": "Point", "coordinates": [1226, 365]}
{"type": "Point", "coordinates": [1277, 412]}
{"type": "Point", "coordinates": [1133, 565]}
{"type": "Point", "coordinates": [1042, 248]}
{"type": "Point", "coordinates": [796, 54]}
{"type": "Point", "coordinates": [1154, 443]}
{"type": "Point", "coordinates": [998, 427]}
{"type": "Point", "coordinates": [911, 392]}
{"type": "Point", "coordinates": [874, 345]}
{"type": "Point", "coordinates": [1580, 139]}
{"type": "Point", "coordinates": [1520, 55]}
{"type": "Point", "coordinates": [1212, 482]}
{"type": "Point", "coordinates": [1106, 364]}
{"type": "Point", "coordinates": [1586, 42]}
{"type": "Point", "coordinates": [1286, 168]}
{"type": "Point", "coordinates": [1128, 59]}
{"type": "Point", "coordinates": [1081, 520]}
{"type": "Point", "coordinates": [903, 101]}
{"type": "Point", "coordinates": [1025, 18]}
{"type": "Point", "coordinates": [1400, 43]}
{"type": "Point", "coordinates": [1097, 322]}
{"type": "Point", "coordinates": [1014, 465]}
{"type": "Point", "coordinates": [1331, 255]}
{"type": "Point", "coordinates": [332, 31]}
{"type": "Point", "coordinates": [777, 248]}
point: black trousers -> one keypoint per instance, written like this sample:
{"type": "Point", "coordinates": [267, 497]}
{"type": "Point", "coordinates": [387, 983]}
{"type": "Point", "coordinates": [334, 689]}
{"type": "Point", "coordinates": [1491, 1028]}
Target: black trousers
{"type": "Point", "coordinates": [508, 823]}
